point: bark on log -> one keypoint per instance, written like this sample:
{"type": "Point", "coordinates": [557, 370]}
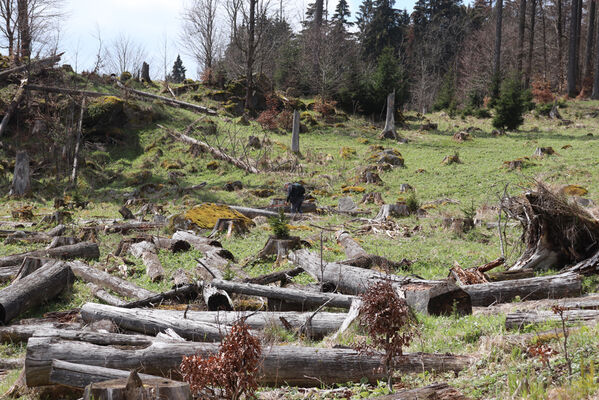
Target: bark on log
{"type": "Point", "coordinates": [351, 247]}
{"type": "Point", "coordinates": [184, 293]}
{"type": "Point", "coordinates": [44, 62]}
{"type": "Point", "coordinates": [216, 153]}
{"type": "Point", "coordinates": [511, 275]}
{"type": "Point", "coordinates": [521, 319]}
{"type": "Point", "coordinates": [12, 107]}
{"type": "Point", "coordinates": [30, 265]}
{"type": "Point", "coordinates": [553, 287]}
{"type": "Point", "coordinates": [168, 101]}
{"type": "Point", "coordinates": [306, 299]}
{"type": "Point", "coordinates": [86, 250]}
{"type": "Point", "coordinates": [147, 252]}
{"type": "Point", "coordinates": [80, 375]}
{"type": "Point", "coordinates": [293, 365]}
{"type": "Point", "coordinates": [60, 241]}
{"type": "Point", "coordinates": [203, 244]}
{"type": "Point", "coordinates": [21, 183]}
{"type": "Point", "coordinates": [33, 290]}
{"type": "Point", "coordinates": [21, 333]}
{"type": "Point", "coordinates": [149, 388]}
{"type": "Point", "coordinates": [107, 281]}
{"type": "Point", "coordinates": [432, 392]}
{"type": "Point", "coordinates": [106, 297]}
{"type": "Point", "coordinates": [352, 280]}
{"type": "Point", "coordinates": [11, 363]}
{"type": "Point", "coordinates": [7, 274]}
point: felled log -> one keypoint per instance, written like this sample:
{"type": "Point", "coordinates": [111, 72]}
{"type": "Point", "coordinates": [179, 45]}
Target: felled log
{"type": "Point", "coordinates": [132, 226]}
{"type": "Point", "coordinates": [44, 62]}
{"type": "Point", "coordinates": [256, 212]}
{"type": "Point", "coordinates": [181, 294]}
{"type": "Point", "coordinates": [203, 244]}
{"type": "Point", "coordinates": [86, 250]}
{"type": "Point", "coordinates": [7, 274]}
{"type": "Point", "coordinates": [19, 333]}
{"type": "Point", "coordinates": [79, 375]}
{"type": "Point", "coordinates": [216, 299]}
{"type": "Point", "coordinates": [11, 363]}
{"type": "Point", "coordinates": [144, 388]}
{"type": "Point", "coordinates": [302, 297]}
{"type": "Point", "coordinates": [358, 257]}
{"type": "Point", "coordinates": [216, 153]}
{"type": "Point", "coordinates": [107, 281]}
{"type": "Point", "coordinates": [30, 265]}
{"type": "Point", "coordinates": [590, 266]}
{"type": "Point", "coordinates": [169, 101]}
{"type": "Point", "coordinates": [273, 277]}
{"type": "Point", "coordinates": [106, 297]}
{"type": "Point", "coordinates": [147, 252]}
{"type": "Point", "coordinates": [12, 107]}
{"type": "Point", "coordinates": [432, 297]}
{"type": "Point", "coordinates": [21, 183]}
{"type": "Point", "coordinates": [33, 290]}
{"type": "Point", "coordinates": [521, 319]}
{"type": "Point", "coordinates": [544, 287]}
{"type": "Point", "coordinates": [60, 241]}
{"type": "Point", "coordinates": [351, 247]}
{"type": "Point", "coordinates": [557, 232]}
{"type": "Point", "coordinates": [180, 278]}
{"type": "Point", "coordinates": [434, 391]}
{"type": "Point", "coordinates": [292, 365]}
{"type": "Point", "coordinates": [510, 275]}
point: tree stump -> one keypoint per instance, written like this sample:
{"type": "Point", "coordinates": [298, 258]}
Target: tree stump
{"type": "Point", "coordinates": [295, 143]}
{"type": "Point", "coordinates": [21, 183]}
{"type": "Point", "coordinates": [134, 388]}
{"type": "Point", "coordinates": [145, 72]}
{"type": "Point", "coordinates": [229, 225]}
{"type": "Point", "coordinates": [280, 246]}
{"type": "Point", "coordinates": [389, 131]}
{"type": "Point", "coordinates": [392, 210]}
{"type": "Point", "coordinates": [373, 197]}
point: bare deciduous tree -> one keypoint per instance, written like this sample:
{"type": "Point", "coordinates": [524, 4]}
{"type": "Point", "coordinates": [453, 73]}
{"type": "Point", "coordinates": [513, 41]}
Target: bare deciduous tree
{"type": "Point", "coordinates": [200, 34]}
{"type": "Point", "coordinates": [125, 55]}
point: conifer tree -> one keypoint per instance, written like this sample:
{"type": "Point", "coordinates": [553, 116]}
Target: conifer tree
{"type": "Point", "coordinates": [178, 74]}
{"type": "Point", "coordinates": [510, 104]}
{"type": "Point", "coordinates": [342, 13]}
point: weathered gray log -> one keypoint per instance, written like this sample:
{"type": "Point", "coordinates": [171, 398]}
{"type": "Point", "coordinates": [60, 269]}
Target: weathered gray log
{"type": "Point", "coordinates": [544, 287]}
{"type": "Point", "coordinates": [11, 363]}
{"type": "Point", "coordinates": [33, 290]}
{"type": "Point", "coordinates": [80, 375]}
{"type": "Point", "coordinates": [257, 212]}
{"type": "Point", "coordinates": [107, 281]}
{"type": "Point", "coordinates": [12, 107]}
{"type": "Point", "coordinates": [173, 245]}
{"type": "Point", "coordinates": [279, 246]}
{"type": "Point", "coordinates": [147, 252]}
{"type": "Point", "coordinates": [60, 241]}
{"type": "Point", "coordinates": [351, 247]}
{"type": "Point", "coordinates": [44, 62]}
{"type": "Point", "coordinates": [7, 274]}
{"type": "Point", "coordinates": [86, 250]}
{"type": "Point", "coordinates": [184, 293]}
{"type": "Point", "coordinates": [293, 365]}
{"type": "Point", "coordinates": [21, 333]}
{"type": "Point", "coordinates": [180, 278]}
{"type": "Point", "coordinates": [510, 275]}
{"type": "Point", "coordinates": [132, 226]}
{"type": "Point", "coordinates": [322, 323]}
{"type": "Point", "coordinates": [295, 133]}
{"type": "Point", "coordinates": [434, 391]}
{"type": "Point", "coordinates": [302, 297]}
{"type": "Point", "coordinates": [152, 323]}
{"type": "Point", "coordinates": [21, 183]}
{"type": "Point", "coordinates": [103, 295]}
{"type": "Point", "coordinates": [30, 265]}
{"type": "Point", "coordinates": [589, 266]}
{"type": "Point", "coordinates": [168, 101]}
{"type": "Point", "coordinates": [521, 319]}
{"type": "Point", "coordinates": [392, 210]}
{"type": "Point", "coordinates": [134, 387]}
{"type": "Point", "coordinates": [216, 153]}
{"type": "Point", "coordinates": [432, 297]}
{"type": "Point", "coordinates": [203, 244]}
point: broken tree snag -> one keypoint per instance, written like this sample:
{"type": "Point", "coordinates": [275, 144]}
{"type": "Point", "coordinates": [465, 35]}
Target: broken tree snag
{"type": "Point", "coordinates": [295, 132]}
{"type": "Point", "coordinates": [44, 62]}
{"type": "Point", "coordinates": [279, 247]}
{"type": "Point", "coordinates": [21, 181]}
{"type": "Point", "coordinates": [389, 131]}
{"type": "Point", "coordinates": [216, 153]}
{"type": "Point", "coordinates": [145, 72]}
{"type": "Point", "coordinates": [229, 225]}
{"type": "Point", "coordinates": [302, 297]}
{"type": "Point", "coordinates": [137, 320]}
{"type": "Point", "coordinates": [12, 107]}
{"type": "Point", "coordinates": [126, 213]}
{"type": "Point", "coordinates": [520, 319]}
{"type": "Point", "coordinates": [556, 232]}
{"type": "Point", "coordinates": [147, 252]}
{"type": "Point", "coordinates": [78, 145]}
{"type": "Point", "coordinates": [351, 247]}
{"type": "Point", "coordinates": [79, 375]}
{"type": "Point", "coordinates": [86, 250]}
{"type": "Point", "coordinates": [169, 101]}
{"type": "Point", "coordinates": [106, 297]}
{"type": "Point", "coordinates": [36, 288]}
{"type": "Point", "coordinates": [445, 299]}
{"type": "Point", "coordinates": [107, 281]}
{"type": "Point", "coordinates": [545, 287]}
{"type": "Point", "coordinates": [148, 388]}
{"type": "Point", "coordinates": [292, 365]}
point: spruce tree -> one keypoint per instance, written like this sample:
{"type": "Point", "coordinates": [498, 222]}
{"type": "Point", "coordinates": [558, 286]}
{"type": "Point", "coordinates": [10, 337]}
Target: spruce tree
{"type": "Point", "coordinates": [510, 105]}
{"type": "Point", "coordinates": [342, 13]}
{"type": "Point", "coordinates": [390, 76]}
{"type": "Point", "coordinates": [178, 74]}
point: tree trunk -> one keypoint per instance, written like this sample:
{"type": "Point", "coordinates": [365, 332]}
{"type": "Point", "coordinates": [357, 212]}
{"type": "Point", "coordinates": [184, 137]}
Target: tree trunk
{"type": "Point", "coordinates": [572, 46]}
{"type": "Point", "coordinates": [107, 281]}
{"type": "Point", "coordinates": [279, 247]}
{"type": "Point", "coordinates": [588, 59]}
{"type": "Point", "coordinates": [302, 297]}
{"type": "Point", "coordinates": [21, 184]}
{"type": "Point", "coordinates": [86, 250]}
{"type": "Point", "coordinates": [52, 89]}
{"type": "Point", "coordinates": [521, 28]}
{"type": "Point", "coordinates": [125, 228]}
{"type": "Point", "coordinates": [249, 68]}
{"type": "Point", "coordinates": [33, 290]}
{"type": "Point", "coordinates": [291, 365]}
{"type": "Point", "coordinates": [203, 244]}
{"type": "Point", "coordinates": [12, 108]}
{"type": "Point", "coordinates": [106, 297]}
{"type": "Point", "coordinates": [497, 53]}
{"type": "Point", "coordinates": [595, 94]}
{"type": "Point", "coordinates": [149, 388]}
{"type": "Point", "coordinates": [560, 51]}
{"type": "Point", "coordinates": [295, 132]}
{"type": "Point", "coordinates": [428, 297]}
{"type": "Point", "coordinates": [24, 26]}
{"type": "Point", "coordinates": [145, 72]}
{"type": "Point", "coordinates": [531, 42]}
{"type": "Point", "coordinates": [181, 294]}
{"type": "Point", "coordinates": [147, 252]}
{"type": "Point", "coordinates": [30, 265]}
{"type": "Point", "coordinates": [257, 212]}
{"type": "Point", "coordinates": [79, 375]}
{"type": "Point", "coordinates": [77, 145]}
{"type": "Point", "coordinates": [281, 276]}
{"type": "Point", "coordinates": [520, 319]}
{"type": "Point", "coordinates": [389, 131]}
{"type": "Point", "coordinates": [351, 247]}
{"type": "Point", "coordinates": [21, 333]}
{"type": "Point", "coordinates": [554, 287]}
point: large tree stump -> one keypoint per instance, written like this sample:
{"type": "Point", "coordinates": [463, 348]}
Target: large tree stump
{"type": "Point", "coordinates": [135, 388]}
{"type": "Point", "coordinates": [280, 247]}
{"type": "Point", "coordinates": [21, 183]}
{"type": "Point", "coordinates": [389, 131]}
{"type": "Point", "coordinates": [295, 140]}
{"type": "Point", "coordinates": [145, 72]}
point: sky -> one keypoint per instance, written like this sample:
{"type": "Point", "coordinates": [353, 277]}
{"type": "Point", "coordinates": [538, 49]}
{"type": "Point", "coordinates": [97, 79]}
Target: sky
{"type": "Point", "coordinates": [147, 22]}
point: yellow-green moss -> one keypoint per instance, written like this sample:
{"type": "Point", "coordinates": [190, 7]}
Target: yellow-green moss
{"type": "Point", "coordinates": [206, 215]}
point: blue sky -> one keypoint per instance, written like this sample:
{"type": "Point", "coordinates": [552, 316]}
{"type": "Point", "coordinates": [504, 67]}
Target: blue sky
{"type": "Point", "coordinates": [147, 22]}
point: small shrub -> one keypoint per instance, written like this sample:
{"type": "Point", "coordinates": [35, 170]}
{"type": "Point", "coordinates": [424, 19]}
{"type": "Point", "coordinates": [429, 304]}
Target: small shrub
{"type": "Point", "coordinates": [510, 105]}
{"type": "Point", "coordinates": [413, 203]}
{"type": "Point", "coordinates": [324, 107]}
{"type": "Point", "coordinates": [389, 322]}
{"type": "Point", "coordinates": [231, 373]}
{"type": "Point", "coordinates": [279, 225]}
{"type": "Point", "coordinates": [541, 92]}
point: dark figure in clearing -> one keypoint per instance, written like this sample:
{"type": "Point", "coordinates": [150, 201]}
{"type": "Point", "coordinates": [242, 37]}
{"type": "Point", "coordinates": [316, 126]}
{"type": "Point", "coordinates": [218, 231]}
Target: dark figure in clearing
{"type": "Point", "coordinates": [295, 196]}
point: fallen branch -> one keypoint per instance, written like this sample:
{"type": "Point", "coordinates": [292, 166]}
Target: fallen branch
{"type": "Point", "coordinates": [33, 64]}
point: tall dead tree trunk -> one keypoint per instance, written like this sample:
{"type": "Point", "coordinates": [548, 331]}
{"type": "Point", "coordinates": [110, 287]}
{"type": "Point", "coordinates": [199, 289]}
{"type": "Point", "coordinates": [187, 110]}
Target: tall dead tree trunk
{"type": "Point", "coordinates": [588, 59]}
{"type": "Point", "coordinates": [543, 19]}
{"type": "Point", "coordinates": [145, 72]}
{"type": "Point", "coordinates": [21, 184]}
{"type": "Point", "coordinates": [497, 54]}
{"type": "Point", "coordinates": [572, 56]}
{"type": "Point", "coordinates": [389, 130]}
{"type": "Point", "coordinates": [531, 42]}
{"type": "Point", "coordinates": [24, 29]}
{"type": "Point", "coordinates": [560, 50]}
{"type": "Point", "coordinates": [249, 69]}
{"type": "Point", "coordinates": [595, 94]}
{"type": "Point", "coordinates": [78, 145]}
{"type": "Point", "coordinates": [521, 28]}
{"type": "Point", "coordinates": [295, 132]}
